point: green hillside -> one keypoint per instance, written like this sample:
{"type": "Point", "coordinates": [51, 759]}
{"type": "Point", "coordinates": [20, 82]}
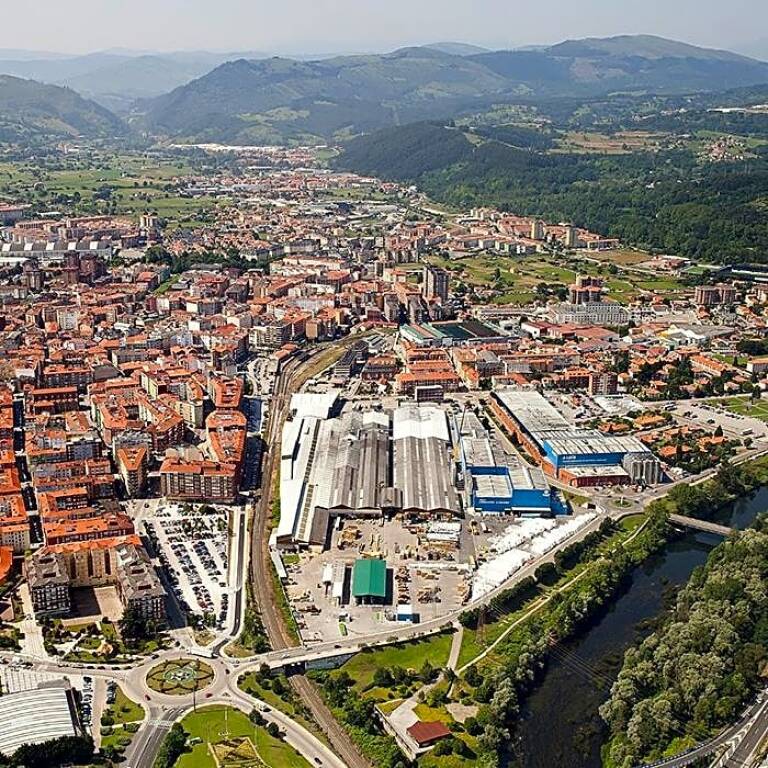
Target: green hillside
{"type": "Point", "coordinates": [667, 200]}
{"type": "Point", "coordinates": [30, 110]}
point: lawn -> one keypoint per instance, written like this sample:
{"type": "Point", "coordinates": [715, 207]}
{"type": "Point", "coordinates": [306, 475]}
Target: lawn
{"type": "Point", "coordinates": [757, 409]}
{"type": "Point", "coordinates": [213, 725]}
{"type": "Point", "coordinates": [125, 715]}
{"type": "Point", "coordinates": [408, 656]}
{"type": "Point", "coordinates": [125, 710]}
{"type": "Point", "coordinates": [284, 700]}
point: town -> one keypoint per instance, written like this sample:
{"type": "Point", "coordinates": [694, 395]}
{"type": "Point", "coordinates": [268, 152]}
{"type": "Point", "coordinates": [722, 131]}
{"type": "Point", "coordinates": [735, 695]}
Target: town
{"type": "Point", "coordinates": [325, 416]}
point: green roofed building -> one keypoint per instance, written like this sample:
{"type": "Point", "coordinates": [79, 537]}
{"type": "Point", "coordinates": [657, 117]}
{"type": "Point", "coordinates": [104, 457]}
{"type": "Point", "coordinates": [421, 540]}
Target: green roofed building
{"type": "Point", "coordinates": [369, 581]}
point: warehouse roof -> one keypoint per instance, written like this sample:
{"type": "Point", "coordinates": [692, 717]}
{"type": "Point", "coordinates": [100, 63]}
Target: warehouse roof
{"type": "Point", "coordinates": [32, 717]}
{"type": "Point", "coordinates": [478, 452]}
{"type": "Point", "coordinates": [524, 477]}
{"type": "Point", "coordinates": [369, 578]}
{"type": "Point", "coordinates": [423, 472]}
{"type": "Point", "coordinates": [590, 442]}
{"type": "Point", "coordinates": [420, 421]}
{"type": "Point", "coordinates": [532, 410]}
{"type": "Point", "coordinates": [314, 404]}
{"type": "Point", "coordinates": [492, 486]}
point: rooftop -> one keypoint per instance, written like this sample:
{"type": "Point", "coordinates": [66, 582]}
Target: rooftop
{"type": "Point", "coordinates": [369, 578]}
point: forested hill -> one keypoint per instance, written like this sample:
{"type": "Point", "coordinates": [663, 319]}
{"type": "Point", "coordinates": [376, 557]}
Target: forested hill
{"type": "Point", "coordinates": [30, 110]}
{"type": "Point", "coordinates": [666, 200]}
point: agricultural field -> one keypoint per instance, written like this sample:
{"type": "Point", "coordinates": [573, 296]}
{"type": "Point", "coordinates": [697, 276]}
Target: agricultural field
{"type": "Point", "coordinates": [620, 143]}
{"type": "Point", "coordinates": [124, 184]}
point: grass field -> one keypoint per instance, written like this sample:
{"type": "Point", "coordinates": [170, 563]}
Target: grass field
{"type": "Point", "coordinates": [213, 725]}
{"type": "Point", "coordinates": [756, 409]}
{"type": "Point", "coordinates": [621, 143]}
{"type": "Point", "coordinates": [407, 655]}
{"type": "Point", "coordinates": [135, 183]}
{"type": "Point", "coordinates": [125, 710]}
{"type": "Point", "coordinates": [517, 278]}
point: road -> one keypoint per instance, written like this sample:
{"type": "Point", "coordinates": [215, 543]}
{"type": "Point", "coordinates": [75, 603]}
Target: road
{"type": "Point", "coordinates": [739, 742]}
{"type": "Point", "coordinates": [146, 743]}
{"type": "Point", "coordinates": [237, 578]}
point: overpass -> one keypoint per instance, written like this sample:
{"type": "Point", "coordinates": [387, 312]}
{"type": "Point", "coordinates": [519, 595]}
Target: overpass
{"type": "Point", "coordinates": [701, 525]}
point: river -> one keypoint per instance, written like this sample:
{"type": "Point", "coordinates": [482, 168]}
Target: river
{"type": "Point", "coordinates": [561, 726]}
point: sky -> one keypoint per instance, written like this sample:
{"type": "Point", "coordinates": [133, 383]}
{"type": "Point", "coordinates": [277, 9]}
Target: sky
{"type": "Point", "coordinates": [329, 26]}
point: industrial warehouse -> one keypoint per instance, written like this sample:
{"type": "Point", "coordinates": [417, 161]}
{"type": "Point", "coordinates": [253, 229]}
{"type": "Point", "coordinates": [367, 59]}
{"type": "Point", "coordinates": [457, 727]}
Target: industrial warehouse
{"type": "Point", "coordinates": [416, 460]}
{"type": "Point", "coordinates": [579, 457]}
{"type": "Point", "coordinates": [498, 482]}
{"type": "Point", "coordinates": [361, 464]}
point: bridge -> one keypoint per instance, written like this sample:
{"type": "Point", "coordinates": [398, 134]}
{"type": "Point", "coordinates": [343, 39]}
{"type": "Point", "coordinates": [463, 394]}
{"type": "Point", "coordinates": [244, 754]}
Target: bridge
{"type": "Point", "coordinates": [701, 525]}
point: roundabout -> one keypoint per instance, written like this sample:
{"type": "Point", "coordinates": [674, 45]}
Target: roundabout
{"type": "Point", "coordinates": [180, 677]}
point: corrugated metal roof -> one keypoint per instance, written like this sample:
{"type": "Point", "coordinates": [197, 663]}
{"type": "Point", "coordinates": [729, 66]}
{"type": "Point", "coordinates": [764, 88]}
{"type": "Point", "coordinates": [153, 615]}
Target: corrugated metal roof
{"type": "Point", "coordinates": [369, 578]}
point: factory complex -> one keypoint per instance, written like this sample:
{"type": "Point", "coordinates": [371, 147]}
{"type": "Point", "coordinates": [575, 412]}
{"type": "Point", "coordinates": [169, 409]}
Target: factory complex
{"type": "Point", "coordinates": [574, 455]}
{"type": "Point", "coordinates": [423, 461]}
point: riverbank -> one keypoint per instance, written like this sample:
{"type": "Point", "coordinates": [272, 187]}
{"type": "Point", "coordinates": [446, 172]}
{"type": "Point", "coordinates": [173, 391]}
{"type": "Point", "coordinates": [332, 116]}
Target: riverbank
{"type": "Point", "coordinates": [512, 646]}
{"type": "Point", "coordinates": [516, 667]}
{"type": "Point", "coordinates": [581, 672]}
{"type": "Point", "coordinates": [694, 675]}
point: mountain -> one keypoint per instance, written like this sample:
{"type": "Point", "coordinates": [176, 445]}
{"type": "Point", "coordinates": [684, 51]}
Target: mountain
{"type": "Point", "coordinates": [279, 99]}
{"type": "Point", "coordinates": [644, 46]}
{"type": "Point", "coordinates": [757, 49]}
{"type": "Point", "coordinates": [31, 110]}
{"type": "Point", "coordinates": [628, 62]}
{"type": "Point", "coordinates": [117, 78]}
{"type": "Point", "coordinates": [22, 54]}
{"type": "Point", "coordinates": [457, 49]}
{"type": "Point", "coordinates": [274, 99]}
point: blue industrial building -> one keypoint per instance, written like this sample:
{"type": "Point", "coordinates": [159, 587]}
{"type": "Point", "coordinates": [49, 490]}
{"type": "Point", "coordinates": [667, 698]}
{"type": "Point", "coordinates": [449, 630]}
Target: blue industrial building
{"type": "Point", "coordinates": [498, 483]}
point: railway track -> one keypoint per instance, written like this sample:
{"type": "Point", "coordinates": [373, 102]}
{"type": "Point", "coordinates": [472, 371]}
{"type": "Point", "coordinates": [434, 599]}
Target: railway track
{"type": "Point", "coordinates": [261, 571]}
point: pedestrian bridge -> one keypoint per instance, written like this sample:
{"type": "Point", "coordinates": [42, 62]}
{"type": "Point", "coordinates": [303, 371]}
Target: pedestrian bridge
{"type": "Point", "coordinates": [701, 525]}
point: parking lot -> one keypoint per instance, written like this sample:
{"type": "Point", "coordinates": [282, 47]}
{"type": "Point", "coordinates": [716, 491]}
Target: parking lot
{"type": "Point", "coordinates": [192, 545]}
{"type": "Point", "coordinates": [712, 415]}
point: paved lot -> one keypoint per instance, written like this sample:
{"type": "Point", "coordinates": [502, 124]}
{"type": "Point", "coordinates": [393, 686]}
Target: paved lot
{"type": "Point", "coordinates": [432, 577]}
{"type": "Point", "coordinates": [712, 415]}
{"type": "Point", "coordinates": [194, 549]}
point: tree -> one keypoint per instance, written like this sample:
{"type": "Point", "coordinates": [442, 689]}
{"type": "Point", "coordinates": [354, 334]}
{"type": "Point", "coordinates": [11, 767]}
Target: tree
{"type": "Point", "coordinates": [133, 626]}
{"type": "Point", "coordinates": [547, 573]}
{"type": "Point", "coordinates": [76, 750]}
{"type": "Point", "coordinates": [172, 748]}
